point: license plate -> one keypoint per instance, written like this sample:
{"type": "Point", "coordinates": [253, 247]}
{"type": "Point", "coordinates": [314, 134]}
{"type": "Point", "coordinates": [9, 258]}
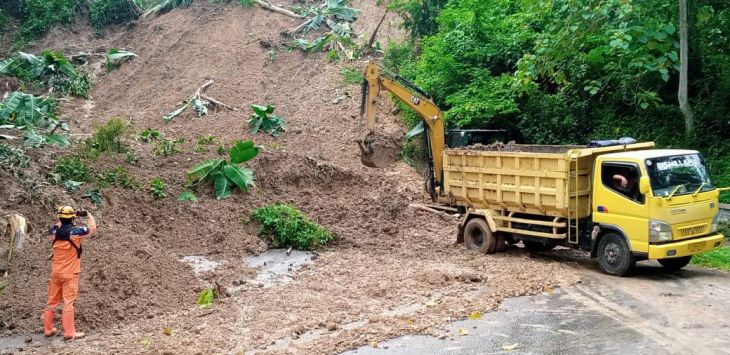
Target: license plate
{"type": "Point", "coordinates": [693, 247]}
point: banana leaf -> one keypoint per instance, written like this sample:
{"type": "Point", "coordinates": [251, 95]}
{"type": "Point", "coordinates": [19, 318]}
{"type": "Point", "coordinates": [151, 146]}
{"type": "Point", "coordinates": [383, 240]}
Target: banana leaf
{"type": "Point", "coordinates": [243, 151]}
{"type": "Point", "coordinates": [222, 184]}
{"type": "Point", "coordinates": [241, 177]}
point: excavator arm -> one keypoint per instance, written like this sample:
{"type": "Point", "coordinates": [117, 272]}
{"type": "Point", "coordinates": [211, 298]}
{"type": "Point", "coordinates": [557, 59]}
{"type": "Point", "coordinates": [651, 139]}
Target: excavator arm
{"type": "Point", "coordinates": [377, 78]}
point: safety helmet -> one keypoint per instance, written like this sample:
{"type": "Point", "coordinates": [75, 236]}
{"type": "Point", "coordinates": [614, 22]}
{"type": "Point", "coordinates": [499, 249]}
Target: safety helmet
{"type": "Point", "coordinates": [66, 212]}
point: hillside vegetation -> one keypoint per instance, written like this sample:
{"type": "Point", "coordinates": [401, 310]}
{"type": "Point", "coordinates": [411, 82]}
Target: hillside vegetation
{"type": "Point", "coordinates": [569, 71]}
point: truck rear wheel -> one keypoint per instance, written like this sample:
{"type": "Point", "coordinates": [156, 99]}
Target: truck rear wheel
{"type": "Point", "coordinates": [537, 246]}
{"type": "Point", "coordinates": [614, 255]}
{"type": "Point", "coordinates": [478, 236]}
{"type": "Point", "coordinates": [675, 264]}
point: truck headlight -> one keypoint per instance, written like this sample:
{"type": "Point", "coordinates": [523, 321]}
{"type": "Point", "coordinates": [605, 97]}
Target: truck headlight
{"type": "Point", "coordinates": [659, 232]}
{"type": "Point", "coordinates": [715, 223]}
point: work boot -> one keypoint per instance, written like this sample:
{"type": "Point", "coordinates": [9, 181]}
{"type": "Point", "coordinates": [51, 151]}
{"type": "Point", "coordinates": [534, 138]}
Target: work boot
{"type": "Point", "coordinates": [48, 318]}
{"type": "Point", "coordinates": [69, 330]}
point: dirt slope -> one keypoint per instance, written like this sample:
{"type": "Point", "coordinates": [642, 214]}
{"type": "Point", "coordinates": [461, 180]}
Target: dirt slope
{"type": "Point", "coordinates": [387, 256]}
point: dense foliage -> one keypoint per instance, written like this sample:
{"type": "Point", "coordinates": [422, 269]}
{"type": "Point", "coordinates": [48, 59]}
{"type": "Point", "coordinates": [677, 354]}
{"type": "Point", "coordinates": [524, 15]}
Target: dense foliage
{"type": "Point", "coordinates": [106, 12]}
{"type": "Point", "coordinates": [51, 69]}
{"type": "Point", "coordinates": [37, 16]}
{"type": "Point", "coordinates": [290, 227]}
{"type": "Point", "coordinates": [568, 71]}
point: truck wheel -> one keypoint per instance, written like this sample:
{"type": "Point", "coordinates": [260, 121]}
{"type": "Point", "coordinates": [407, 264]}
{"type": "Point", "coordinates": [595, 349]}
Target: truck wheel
{"type": "Point", "coordinates": [675, 264]}
{"type": "Point", "coordinates": [614, 255]}
{"type": "Point", "coordinates": [501, 242]}
{"type": "Point", "coordinates": [537, 246]}
{"type": "Point", "coordinates": [478, 236]}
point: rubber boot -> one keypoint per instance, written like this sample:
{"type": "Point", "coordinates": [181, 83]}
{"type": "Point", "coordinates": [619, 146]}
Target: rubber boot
{"type": "Point", "coordinates": [69, 330]}
{"type": "Point", "coordinates": [48, 318]}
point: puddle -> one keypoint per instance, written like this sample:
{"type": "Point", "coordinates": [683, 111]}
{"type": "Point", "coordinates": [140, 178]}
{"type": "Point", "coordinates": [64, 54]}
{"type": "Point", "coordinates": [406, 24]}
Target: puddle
{"type": "Point", "coordinates": [201, 264]}
{"type": "Point", "coordinates": [17, 343]}
{"type": "Point", "coordinates": [275, 267]}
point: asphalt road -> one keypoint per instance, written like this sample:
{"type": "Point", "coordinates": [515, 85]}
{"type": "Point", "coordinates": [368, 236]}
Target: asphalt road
{"type": "Point", "coordinates": [650, 312]}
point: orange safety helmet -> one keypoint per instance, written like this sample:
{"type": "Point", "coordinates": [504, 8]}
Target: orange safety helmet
{"type": "Point", "coordinates": [66, 212]}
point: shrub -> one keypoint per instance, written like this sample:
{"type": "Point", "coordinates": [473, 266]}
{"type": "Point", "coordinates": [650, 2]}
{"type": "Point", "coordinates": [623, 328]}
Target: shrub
{"type": "Point", "coordinates": [290, 227]}
{"type": "Point", "coordinates": [107, 12]}
{"type": "Point", "coordinates": [206, 140]}
{"type": "Point", "coordinates": [157, 188]}
{"type": "Point", "coordinates": [109, 137]}
{"type": "Point", "coordinates": [12, 157]}
{"type": "Point", "coordinates": [71, 173]}
{"type": "Point", "coordinates": [117, 177]}
{"type": "Point", "coordinates": [149, 135]}
{"type": "Point", "coordinates": [168, 146]}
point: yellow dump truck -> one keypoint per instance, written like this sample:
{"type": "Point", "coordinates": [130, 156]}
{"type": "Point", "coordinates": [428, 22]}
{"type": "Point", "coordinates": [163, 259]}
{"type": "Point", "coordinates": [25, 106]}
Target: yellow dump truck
{"type": "Point", "coordinates": [621, 202]}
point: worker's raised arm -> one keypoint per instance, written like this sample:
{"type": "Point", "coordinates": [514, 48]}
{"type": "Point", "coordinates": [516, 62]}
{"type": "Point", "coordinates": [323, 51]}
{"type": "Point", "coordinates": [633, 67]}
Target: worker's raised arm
{"type": "Point", "coordinates": [91, 224]}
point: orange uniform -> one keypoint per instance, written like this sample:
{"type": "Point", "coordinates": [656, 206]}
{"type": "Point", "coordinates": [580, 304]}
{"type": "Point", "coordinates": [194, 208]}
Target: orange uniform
{"type": "Point", "coordinates": [64, 283]}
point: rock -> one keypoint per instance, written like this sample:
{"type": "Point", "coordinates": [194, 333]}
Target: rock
{"type": "Point", "coordinates": [331, 326]}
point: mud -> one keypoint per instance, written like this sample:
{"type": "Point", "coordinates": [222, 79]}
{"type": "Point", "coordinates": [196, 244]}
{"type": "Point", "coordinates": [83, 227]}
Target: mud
{"type": "Point", "coordinates": [514, 147]}
{"type": "Point", "coordinates": [380, 150]}
{"type": "Point", "coordinates": [386, 257]}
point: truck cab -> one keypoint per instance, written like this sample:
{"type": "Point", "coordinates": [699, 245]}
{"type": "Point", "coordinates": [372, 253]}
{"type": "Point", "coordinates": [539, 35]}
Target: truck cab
{"type": "Point", "coordinates": [652, 204]}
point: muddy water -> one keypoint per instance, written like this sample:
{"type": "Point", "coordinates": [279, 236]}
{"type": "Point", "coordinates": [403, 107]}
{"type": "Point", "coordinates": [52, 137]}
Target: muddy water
{"type": "Point", "coordinates": [276, 267]}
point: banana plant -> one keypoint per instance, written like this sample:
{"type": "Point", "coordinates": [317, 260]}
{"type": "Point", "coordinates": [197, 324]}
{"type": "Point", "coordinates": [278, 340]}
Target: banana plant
{"type": "Point", "coordinates": [227, 174]}
{"type": "Point", "coordinates": [33, 115]}
{"type": "Point", "coordinates": [263, 118]}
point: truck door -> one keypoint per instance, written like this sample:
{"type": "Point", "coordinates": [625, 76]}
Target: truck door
{"type": "Point", "coordinates": [617, 202]}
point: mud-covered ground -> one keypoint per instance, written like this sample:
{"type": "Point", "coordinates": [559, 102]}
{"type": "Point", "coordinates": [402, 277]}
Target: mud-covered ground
{"type": "Point", "coordinates": [392, 271]}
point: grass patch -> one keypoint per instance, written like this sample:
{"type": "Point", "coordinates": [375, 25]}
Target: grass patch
{"type": "Point", "coordinates": [717, 259]}
{"type": "Point", "coordinates": [290, 227]}
{"type": "Point", "coordinates": [351, 76]}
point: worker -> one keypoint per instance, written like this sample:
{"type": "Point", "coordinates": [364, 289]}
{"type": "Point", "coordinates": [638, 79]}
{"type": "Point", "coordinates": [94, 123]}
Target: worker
{"type": "Point", "coordinates": [64, 284]}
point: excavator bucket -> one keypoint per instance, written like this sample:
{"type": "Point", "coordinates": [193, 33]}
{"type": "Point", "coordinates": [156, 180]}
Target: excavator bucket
{"type": "Point", "coordinates": [379, 151]}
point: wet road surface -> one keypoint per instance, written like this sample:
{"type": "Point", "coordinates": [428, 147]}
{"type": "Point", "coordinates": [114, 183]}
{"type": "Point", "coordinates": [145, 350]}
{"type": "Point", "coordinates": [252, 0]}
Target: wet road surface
{"type": "Point", "coordinates": [652, 311]}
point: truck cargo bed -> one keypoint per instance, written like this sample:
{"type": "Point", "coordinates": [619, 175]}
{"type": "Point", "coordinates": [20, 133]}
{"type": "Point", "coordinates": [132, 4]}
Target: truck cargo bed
{"type": "Point", "coordinates": [511, 179]}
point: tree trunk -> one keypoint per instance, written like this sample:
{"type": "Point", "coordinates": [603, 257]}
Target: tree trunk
{"type": "Point", "coordinates": [689, 117]}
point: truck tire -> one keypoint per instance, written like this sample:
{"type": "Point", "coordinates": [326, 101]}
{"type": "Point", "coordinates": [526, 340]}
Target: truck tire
{"type": "Point", "coordinates": [478, 236]}
{"type": "Point", "coordinates": [537, 246]}
{"type": "Point", "coordinates": [501, 242]}
{"type": "Point", "coordinates": [614, 255]}
{"type": "Point", "coordinates": [675, 264]}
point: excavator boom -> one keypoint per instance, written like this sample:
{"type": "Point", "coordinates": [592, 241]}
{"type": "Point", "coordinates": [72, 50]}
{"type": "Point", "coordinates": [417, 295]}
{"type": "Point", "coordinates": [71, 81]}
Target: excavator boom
{"type": "Point", "coordinates": [377, 78]}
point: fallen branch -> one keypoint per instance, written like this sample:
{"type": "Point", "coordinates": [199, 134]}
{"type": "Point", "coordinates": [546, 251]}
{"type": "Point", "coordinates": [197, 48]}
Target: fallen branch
{"type": "Point", "coordinates": [203, 87]}
{"type": "Point", "coordinates": [200, 102]}
{"type": "Point", "coordinates": [216, 102]}
{"type": "Point", "coordinates": [292, 31]}
{"type": "Point", "coordinates": [372, 36]}
{"type": "Point", "coordinates": [425, 208]}
{"type": "Point", "coordinates": [275, 8]}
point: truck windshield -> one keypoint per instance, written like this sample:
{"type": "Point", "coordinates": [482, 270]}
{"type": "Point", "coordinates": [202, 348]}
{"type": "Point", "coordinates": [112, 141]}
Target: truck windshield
{"type": "Point", "coordinates": [678, 174]}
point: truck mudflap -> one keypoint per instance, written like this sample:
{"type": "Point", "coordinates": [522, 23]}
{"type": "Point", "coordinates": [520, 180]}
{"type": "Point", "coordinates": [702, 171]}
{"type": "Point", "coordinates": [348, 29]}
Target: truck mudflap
{"type": "Point", "coordinates": [687, 247]}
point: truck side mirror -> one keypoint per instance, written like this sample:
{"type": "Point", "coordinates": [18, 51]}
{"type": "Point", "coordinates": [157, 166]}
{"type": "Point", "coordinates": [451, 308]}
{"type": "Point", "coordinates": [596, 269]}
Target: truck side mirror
{"type": "Point", "coordinates": [644, 186]}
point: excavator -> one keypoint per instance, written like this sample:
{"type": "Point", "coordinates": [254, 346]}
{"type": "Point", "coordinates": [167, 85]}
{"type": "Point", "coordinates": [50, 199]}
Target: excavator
{"type": "Point", "coordinates": [377, 154]}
